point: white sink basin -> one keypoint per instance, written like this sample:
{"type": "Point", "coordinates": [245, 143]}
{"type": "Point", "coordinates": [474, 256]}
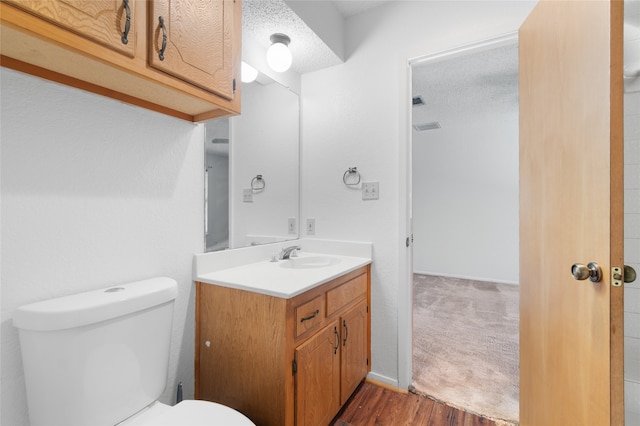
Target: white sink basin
{"type": "Point", "coordinates": [310, 262]}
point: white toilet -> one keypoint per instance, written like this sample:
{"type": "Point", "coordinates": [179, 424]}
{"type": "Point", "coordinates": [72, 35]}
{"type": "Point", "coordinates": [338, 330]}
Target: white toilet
{"type": "Point", "coordinates": [101, 358]}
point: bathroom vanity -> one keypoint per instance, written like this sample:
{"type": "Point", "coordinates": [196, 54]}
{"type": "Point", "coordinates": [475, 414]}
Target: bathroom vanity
{"type": "Point", "coordinates": [283, 355]}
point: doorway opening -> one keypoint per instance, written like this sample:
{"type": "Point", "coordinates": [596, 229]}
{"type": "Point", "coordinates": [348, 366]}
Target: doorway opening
{"type": "Point", "coordinates": [464, 196]}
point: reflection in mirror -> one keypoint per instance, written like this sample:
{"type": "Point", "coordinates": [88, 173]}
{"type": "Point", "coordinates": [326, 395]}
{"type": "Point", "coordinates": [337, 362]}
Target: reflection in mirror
{"type": "Point", "coordinates": [263, 141]}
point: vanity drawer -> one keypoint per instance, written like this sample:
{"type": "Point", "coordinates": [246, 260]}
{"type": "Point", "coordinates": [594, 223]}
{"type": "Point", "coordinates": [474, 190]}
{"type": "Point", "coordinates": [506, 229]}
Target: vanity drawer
{"type": "Point", "coordinates": [309, 315]}
{"type": "Point", "coordinates": [346, 293]}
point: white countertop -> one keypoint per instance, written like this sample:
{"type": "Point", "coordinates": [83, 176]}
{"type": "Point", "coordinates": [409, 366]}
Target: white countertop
{"type": "Point", "coordinates": [243, 271]}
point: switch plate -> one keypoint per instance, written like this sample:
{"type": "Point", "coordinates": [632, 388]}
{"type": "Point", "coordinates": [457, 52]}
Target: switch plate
{"type": "Point", "coordinates": [370, 191]}
{"type": "Point", "coordinates": [311, 226]}
{"type": "Point", "coordinates": [291, 225]}
{"type": "Point", "coordinates": [247, 195]}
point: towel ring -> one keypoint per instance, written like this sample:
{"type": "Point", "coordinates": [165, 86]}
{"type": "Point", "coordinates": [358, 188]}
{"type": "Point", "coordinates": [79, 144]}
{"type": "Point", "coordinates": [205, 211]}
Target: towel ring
{"type": "Point", "coordinates": [351, 171]}
{"type": "Point", "coordinates": [258, 184]}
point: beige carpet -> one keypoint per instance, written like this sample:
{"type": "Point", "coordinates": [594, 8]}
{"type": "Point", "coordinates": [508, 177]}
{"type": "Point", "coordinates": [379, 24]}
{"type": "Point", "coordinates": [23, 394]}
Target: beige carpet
{"type": "Point", "coordinates": [465, 344]}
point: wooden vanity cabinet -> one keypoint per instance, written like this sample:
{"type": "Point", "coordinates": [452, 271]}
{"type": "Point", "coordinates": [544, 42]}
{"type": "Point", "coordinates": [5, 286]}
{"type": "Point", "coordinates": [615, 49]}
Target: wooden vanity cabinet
{"type": "Point", "coordinates": [284, 361]}
{"type": "Point", "coordinates": [112, 48]}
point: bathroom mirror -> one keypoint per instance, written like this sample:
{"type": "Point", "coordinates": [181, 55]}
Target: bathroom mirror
{"type": "Point", "coordinates": [252, 170]}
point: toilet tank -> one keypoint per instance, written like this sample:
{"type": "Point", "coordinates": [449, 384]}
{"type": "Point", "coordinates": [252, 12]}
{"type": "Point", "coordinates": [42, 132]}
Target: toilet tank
{"type": "Point", "coordinates": [98, 357]}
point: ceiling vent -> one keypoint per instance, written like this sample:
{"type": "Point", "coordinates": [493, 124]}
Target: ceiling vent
{"type": "Point", "coordinates": [427, 126]}
{"type": "Point", "coordinates": [417, 101]}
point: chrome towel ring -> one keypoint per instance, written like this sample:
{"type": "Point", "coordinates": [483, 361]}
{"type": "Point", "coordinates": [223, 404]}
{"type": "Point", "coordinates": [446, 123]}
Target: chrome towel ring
{"type": "Point", "coordinates": [352, 174]}
{"type": "Point", "coordinates": [258, 183]}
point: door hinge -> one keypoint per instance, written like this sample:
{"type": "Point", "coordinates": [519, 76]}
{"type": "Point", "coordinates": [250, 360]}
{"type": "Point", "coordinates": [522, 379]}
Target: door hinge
{"type": "Point", "coordinates": [367, 361]}
{"type": "Point", "coordinates": [367, 309]}
{"type": "Point", "coordinates": [234, 85]}
{"type": "Point", "coordinates": [294, 367]}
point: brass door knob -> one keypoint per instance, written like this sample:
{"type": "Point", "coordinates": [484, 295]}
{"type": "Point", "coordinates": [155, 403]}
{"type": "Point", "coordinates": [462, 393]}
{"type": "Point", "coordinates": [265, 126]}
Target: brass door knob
{"type": "Point", "coordinates": [582, 272]}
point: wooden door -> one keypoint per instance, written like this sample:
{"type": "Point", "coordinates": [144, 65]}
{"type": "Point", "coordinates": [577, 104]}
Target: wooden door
{"type": "Point", "coordinates": [354, 358]}
{"type": "Point", "coordinates": [317, 380]}
{"type": "Point", "coordinates": [101, 21]}
{"type": "Point", "coordinates": [198, 42]}
{"type": "Point", "coordinates": [571, 193]}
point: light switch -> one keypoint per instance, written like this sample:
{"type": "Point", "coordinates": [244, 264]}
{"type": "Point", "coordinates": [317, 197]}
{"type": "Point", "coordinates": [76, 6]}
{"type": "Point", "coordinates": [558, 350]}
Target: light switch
{"type": "Point", "coordinates": [370, 191]}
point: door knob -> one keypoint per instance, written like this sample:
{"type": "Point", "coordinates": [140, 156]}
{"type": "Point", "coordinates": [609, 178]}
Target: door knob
{"type": "Point", "coordinates": [629, 274]}
{"type": "Point", "coordinates": [582, 272]}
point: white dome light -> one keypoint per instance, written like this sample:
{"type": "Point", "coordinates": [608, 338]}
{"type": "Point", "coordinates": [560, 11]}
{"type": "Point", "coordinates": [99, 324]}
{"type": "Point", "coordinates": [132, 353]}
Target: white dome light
{"type": "Point", "coordinates": [279, 56]}
{"type": "Point", "coordinates": [248, 73]}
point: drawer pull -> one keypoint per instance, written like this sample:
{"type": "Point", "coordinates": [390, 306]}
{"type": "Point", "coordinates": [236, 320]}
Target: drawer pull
{"type": "Point", "coordinates": [164, 38]}
{"type": "Point", "coordinates": [310, 317]}
{"type": "Point", "coordinates": [127, 25]}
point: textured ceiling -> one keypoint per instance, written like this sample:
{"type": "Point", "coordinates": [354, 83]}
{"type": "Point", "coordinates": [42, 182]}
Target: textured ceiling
{"type": "Point", "coordinates": [354, 7]}
{"type": "Point", "coordinates": [261, 18]}
{"type": "Point", "coordinates": [462, 85]}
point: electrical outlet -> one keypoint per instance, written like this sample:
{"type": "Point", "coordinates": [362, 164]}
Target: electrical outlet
{"type": "Point", "coordinates": [311, 226]}
{"type": "Point", "coordinates": [247, 195]}
{"type": "Point", "coordinates": [370, 191]}
{"type": "Point", "coordinates": [291, 225]}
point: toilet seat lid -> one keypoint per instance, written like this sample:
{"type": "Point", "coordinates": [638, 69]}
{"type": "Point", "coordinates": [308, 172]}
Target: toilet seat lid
{"type": "Point", "coordinates": [199, 413]}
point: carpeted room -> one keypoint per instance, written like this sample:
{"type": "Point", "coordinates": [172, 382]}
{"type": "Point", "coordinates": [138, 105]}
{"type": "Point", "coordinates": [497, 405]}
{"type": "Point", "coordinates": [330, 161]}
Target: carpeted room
{"type": "Point", "coordinates": [465, 218]}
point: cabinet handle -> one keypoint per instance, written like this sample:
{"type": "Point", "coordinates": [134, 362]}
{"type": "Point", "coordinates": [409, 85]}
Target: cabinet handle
{"type": "Point", "coordinates": [127, 25]}
{"type": "Point", "coordinates": [346, 332]}
{"type": "Point", "coordinates": [310, 317]}
{"type": "Point", "coordinates": [337, 336]}
{"type": "Point", "coordinates": [164, 38]}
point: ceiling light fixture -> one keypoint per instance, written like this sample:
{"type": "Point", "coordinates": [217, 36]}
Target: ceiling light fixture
{"type": "Point", "coordinates": [279, 56]}
{"type": "Point", "coordinates": [248, 73]}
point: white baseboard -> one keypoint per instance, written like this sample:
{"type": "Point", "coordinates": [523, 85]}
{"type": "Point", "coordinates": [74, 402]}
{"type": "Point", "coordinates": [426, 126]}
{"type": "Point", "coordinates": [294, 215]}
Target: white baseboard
{"type": "Point", "coordinates": [493, 280]}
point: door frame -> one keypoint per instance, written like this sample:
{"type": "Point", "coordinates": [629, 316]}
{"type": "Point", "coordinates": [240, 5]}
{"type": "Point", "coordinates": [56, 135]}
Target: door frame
{"type": "Point", "coordinates": [405, 316]}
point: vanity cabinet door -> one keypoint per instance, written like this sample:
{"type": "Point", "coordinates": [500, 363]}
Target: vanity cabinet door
{"type": "Point", "coordinates": [354, 348]}
{"type": "Point", "coordinates": [317, 384]}
{"type": "Point", "coordinates": [192, 40]}
{"type": "Point", "coordinates": [101, 21]}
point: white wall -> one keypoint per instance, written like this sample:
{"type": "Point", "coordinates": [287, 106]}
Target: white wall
{"type": "Point", "coordinates": [94, 193]}
{"type": "Point", "coordinates": [264, 141]}
{"type": "Point", "coordinates": [465, 196]}
{"type": "Point", "coordinates": [632, 256]}
{"type": "Point", "coordinates": [356, 114]}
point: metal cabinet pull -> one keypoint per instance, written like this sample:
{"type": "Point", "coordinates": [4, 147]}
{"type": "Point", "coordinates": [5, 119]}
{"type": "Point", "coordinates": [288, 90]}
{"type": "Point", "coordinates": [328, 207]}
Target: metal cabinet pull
{"type": "Point", "coordinates": [127, 25]}
{"type": "Point", "coordinates": [346, 332]}
{"type": "Point", "coordinates": [164, 38]}
{"type": "Point", "coordinates": [310, 317]}
{"type": "Point", "coordinates": [337, 336]}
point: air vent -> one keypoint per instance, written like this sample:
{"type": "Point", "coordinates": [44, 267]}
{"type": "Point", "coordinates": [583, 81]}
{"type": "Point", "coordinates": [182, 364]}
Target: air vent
{"type": "Point", "coordinates": [417, 101]}
{"type": "Point", "coordinates": [427, 126]}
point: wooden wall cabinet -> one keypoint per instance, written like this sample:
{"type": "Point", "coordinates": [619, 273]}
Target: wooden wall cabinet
{"type": "Point", "coordinates": [113, 48]}
{"type": "Point", "coordinates": [284, 361]}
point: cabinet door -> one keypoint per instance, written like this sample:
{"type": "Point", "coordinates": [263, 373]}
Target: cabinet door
{"type": "Point", "coordinates": [192, 40]}
{"type": "Point", "coordinates": [355, 360]}
{"type": "Point", "coordinates": [108, 22]}
{"type": "Point", "coordinates": [318, 378]}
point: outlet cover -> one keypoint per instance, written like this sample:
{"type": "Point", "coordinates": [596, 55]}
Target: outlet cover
{"type": "Point", "coordinates": [291, 225]}
{"type": "Point", "coordinates": [311, 226]}
{"type": "Point", "coordinates": [370, 191]}
{"type": "Point", "coordinates": [247, 195]}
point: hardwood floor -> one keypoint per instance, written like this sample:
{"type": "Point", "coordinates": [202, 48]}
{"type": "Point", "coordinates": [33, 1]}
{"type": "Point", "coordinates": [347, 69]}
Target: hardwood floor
{"type": "Point", "coordinates": [376, 405]}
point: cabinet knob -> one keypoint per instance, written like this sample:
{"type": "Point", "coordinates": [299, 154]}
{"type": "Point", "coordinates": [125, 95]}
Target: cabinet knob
{"type": "Point", "coordinates": [207, 344]}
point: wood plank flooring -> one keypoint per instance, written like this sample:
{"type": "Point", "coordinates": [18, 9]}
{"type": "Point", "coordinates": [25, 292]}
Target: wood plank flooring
{"type": "Point", "coordinates": [376, 405]}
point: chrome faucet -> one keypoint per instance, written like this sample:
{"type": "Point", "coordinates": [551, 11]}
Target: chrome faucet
{"type": "Point", "coordinates": [288, 251]}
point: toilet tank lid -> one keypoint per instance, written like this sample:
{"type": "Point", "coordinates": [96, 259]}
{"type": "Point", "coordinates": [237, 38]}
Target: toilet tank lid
{"type": "Point", "coordinates": [95, 306]}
